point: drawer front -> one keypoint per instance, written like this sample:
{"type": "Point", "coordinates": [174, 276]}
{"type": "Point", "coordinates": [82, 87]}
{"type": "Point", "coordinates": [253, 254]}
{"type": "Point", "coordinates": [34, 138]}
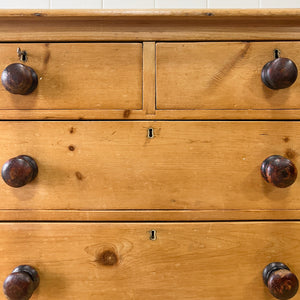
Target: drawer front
{"type": "Point", "coordinates": [186, 261]}
{"type": "Point", "coordinates": [222, 75]}
{"type": "Point", "coordinates": [116, 165]}
{"type": "Point", "coordinates": [78, 76]}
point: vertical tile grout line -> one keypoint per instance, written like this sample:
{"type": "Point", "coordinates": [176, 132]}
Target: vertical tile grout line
{"type": "Point", "coordinates": [101, 4]}
{"type": "Point", "coordinates": [259, 3]}
{"type": "Point", "coordinates": [50, 4]}
{"type": "Point", "coordinates": [207, 3]}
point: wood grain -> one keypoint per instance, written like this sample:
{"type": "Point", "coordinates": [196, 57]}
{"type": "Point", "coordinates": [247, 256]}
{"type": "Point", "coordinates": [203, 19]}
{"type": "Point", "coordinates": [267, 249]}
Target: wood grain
{"type": "Point", "coordinates": [187, 261]}
{"type": "Point", "coordinates": [142, 215]}
{"type": "Point", "coordinates": [149, 25]}
{"type": "Point", "coordinates": [215, 76]}
{"type": "Point", "coordinates": [149, 82]}
{"type": "Point", "coordinates": [102, 65]}
{"type": "Point", "coordinates": [78, 76]}
{"type": "Point", "coordinates": [94, 14]}
{"type": "Point", "coordinates": [120, 114]}
{"type": "Point", "coordinates": [114, 165]}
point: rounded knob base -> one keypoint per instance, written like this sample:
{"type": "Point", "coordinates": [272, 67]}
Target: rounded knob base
{"type": "Point", "coordinates": [21, 283]}
{"type": "Point", "coordinates": [279, 73]}
{"type": "Point", "coordinates": [281, 282]}
{"type": "Point", "coordinates": [279, 171]}
{"type": "Point", "coordinates": [19, 79]}
{"type": "Point", "coordinates": [19, 171]}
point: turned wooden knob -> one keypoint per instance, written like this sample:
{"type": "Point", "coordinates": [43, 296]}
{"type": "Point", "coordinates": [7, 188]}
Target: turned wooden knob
{"type": "Point", "coordinates": [279, 171]}
{"type": "Point", "coordinates": [19, 79]}
{"type": "Point", "coordinates": [19, 171]}
{"type": "Point", "coordinates": [21, 283]}
{"type": "Point", "coordinates": [281, 282]}
{"type": "Point", "coordinates": [279, 73]}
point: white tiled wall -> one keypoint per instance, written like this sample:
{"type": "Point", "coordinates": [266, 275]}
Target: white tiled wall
{"type": "Point", "coordinates": [140, 4]}
{"type": "Point", "coordinates": [83, 4]}
{"type": "Point", "coordinates": [233, 4]}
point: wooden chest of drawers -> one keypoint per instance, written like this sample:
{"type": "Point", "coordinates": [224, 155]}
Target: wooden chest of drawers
{"type": "Point", "coordinates": [150, 154]}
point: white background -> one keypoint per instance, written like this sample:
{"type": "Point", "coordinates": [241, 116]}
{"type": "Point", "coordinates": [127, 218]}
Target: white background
{"type": "Point", "coordinates": [141, 4]}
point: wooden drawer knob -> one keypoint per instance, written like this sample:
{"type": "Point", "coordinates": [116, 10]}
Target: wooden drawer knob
{"type": "Point", "coordinates": [21, 283]}
{"type": "Point", "coordinates": [279, 73]}
{"type": "Point", "coordinates": [279, 171]}
{"type": "Point", "coordinates": [281, 282]}
{"type": "Point", "coordinates": [19, 171]}
{"type": "Point", "coordinates": [19, 79]}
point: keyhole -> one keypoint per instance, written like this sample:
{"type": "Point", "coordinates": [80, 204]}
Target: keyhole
{"type": "Point", "coordinates": [276, 53]}
{"type": "Point", "coordinates": [150, 133]}
{"type": "Point", "coordinates": [153, 236]}
{"type": "Point", "coordinates": [22, 55]}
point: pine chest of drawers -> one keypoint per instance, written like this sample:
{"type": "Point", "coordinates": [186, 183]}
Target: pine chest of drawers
{"type": "Point", "coordinates": [150, 154]}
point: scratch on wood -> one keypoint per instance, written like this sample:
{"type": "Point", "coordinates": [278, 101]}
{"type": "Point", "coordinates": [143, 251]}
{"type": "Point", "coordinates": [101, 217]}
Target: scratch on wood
{"type": "Point", "coordinates": [47, 57]}
{"type": "Point", "coordinates": [126, 113]}
{"type": "Point", "coordinates": [72, 130]}
{"type": "Point", "coordinates": [286, 139]}
{"type": "Point", "coordinates": [79, 175]}
{"type": "Point", "coordinates": [39, 15]}
{"type": "Point", "coordinates": [219, 76]}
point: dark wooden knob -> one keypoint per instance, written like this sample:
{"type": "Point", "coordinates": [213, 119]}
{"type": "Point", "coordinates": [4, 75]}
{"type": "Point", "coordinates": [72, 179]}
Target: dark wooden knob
{"type": "Point", "coordinates": [279, 73]}
{"type": "Point", "coordinates": [21, 283]}
{"type": "Point", "coordinates": [281, 282]}
{"type": "Point", "coordinates": [19, 79]}
{"type": "Point", "coordinates": [279, 171]}
{"type": "Point", "coordinates": [19, 171]}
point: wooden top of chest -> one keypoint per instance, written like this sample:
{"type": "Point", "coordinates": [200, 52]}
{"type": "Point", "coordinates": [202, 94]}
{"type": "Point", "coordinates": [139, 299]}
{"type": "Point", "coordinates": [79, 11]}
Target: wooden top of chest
{"type": "Point", "coordinates": [149, 25]}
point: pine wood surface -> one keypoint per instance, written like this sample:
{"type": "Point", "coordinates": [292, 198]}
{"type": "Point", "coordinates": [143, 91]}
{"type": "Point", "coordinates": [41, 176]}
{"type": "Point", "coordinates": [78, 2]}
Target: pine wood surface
{"type": "Point", "coordinates": [127, 114]}
{"type": "Point", "coordinates": [137, 25]}
{"type": "Point", "coordinates": [114, 165]}
{"type": "Point", "coordinates": [186, 261]}
{"type": "Point", "coordinates": [78, 76]}
{"type": "Point", "coordinates": [224, 75]}
{"type": "Point", "coordinates": [149, 80]}
{"type": "Point", "coordinates": [99, 67]}
{"type": "Point", "coordinates": [120, 83]}
{"type": "Point", "coordinates": [92, 14]}
{"type": "Point", "coordinates": [147, 215]}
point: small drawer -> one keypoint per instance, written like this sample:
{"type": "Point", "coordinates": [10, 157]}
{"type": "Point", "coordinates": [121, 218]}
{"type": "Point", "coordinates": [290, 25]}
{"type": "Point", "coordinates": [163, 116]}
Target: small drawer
{"type": "Point", "coordinates": [147, 165]}
{"type": "Point", "coordinates": [121, 261]}
{"type": "Point", "coordinates": [74, 76]}
{"type": "Point", "coordinates": [223, 75]}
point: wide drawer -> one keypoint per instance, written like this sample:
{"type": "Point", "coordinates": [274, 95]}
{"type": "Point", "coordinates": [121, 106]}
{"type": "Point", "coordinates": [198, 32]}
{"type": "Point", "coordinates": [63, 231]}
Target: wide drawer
{"type": "Point", "coordinates": [78, 76]}
{"type": "Point", "coordinates": [149, 165]}
{"type": "Point", "coordinates": [119, 260]}
{"type": "Point", "coordinates": [222, 75]}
